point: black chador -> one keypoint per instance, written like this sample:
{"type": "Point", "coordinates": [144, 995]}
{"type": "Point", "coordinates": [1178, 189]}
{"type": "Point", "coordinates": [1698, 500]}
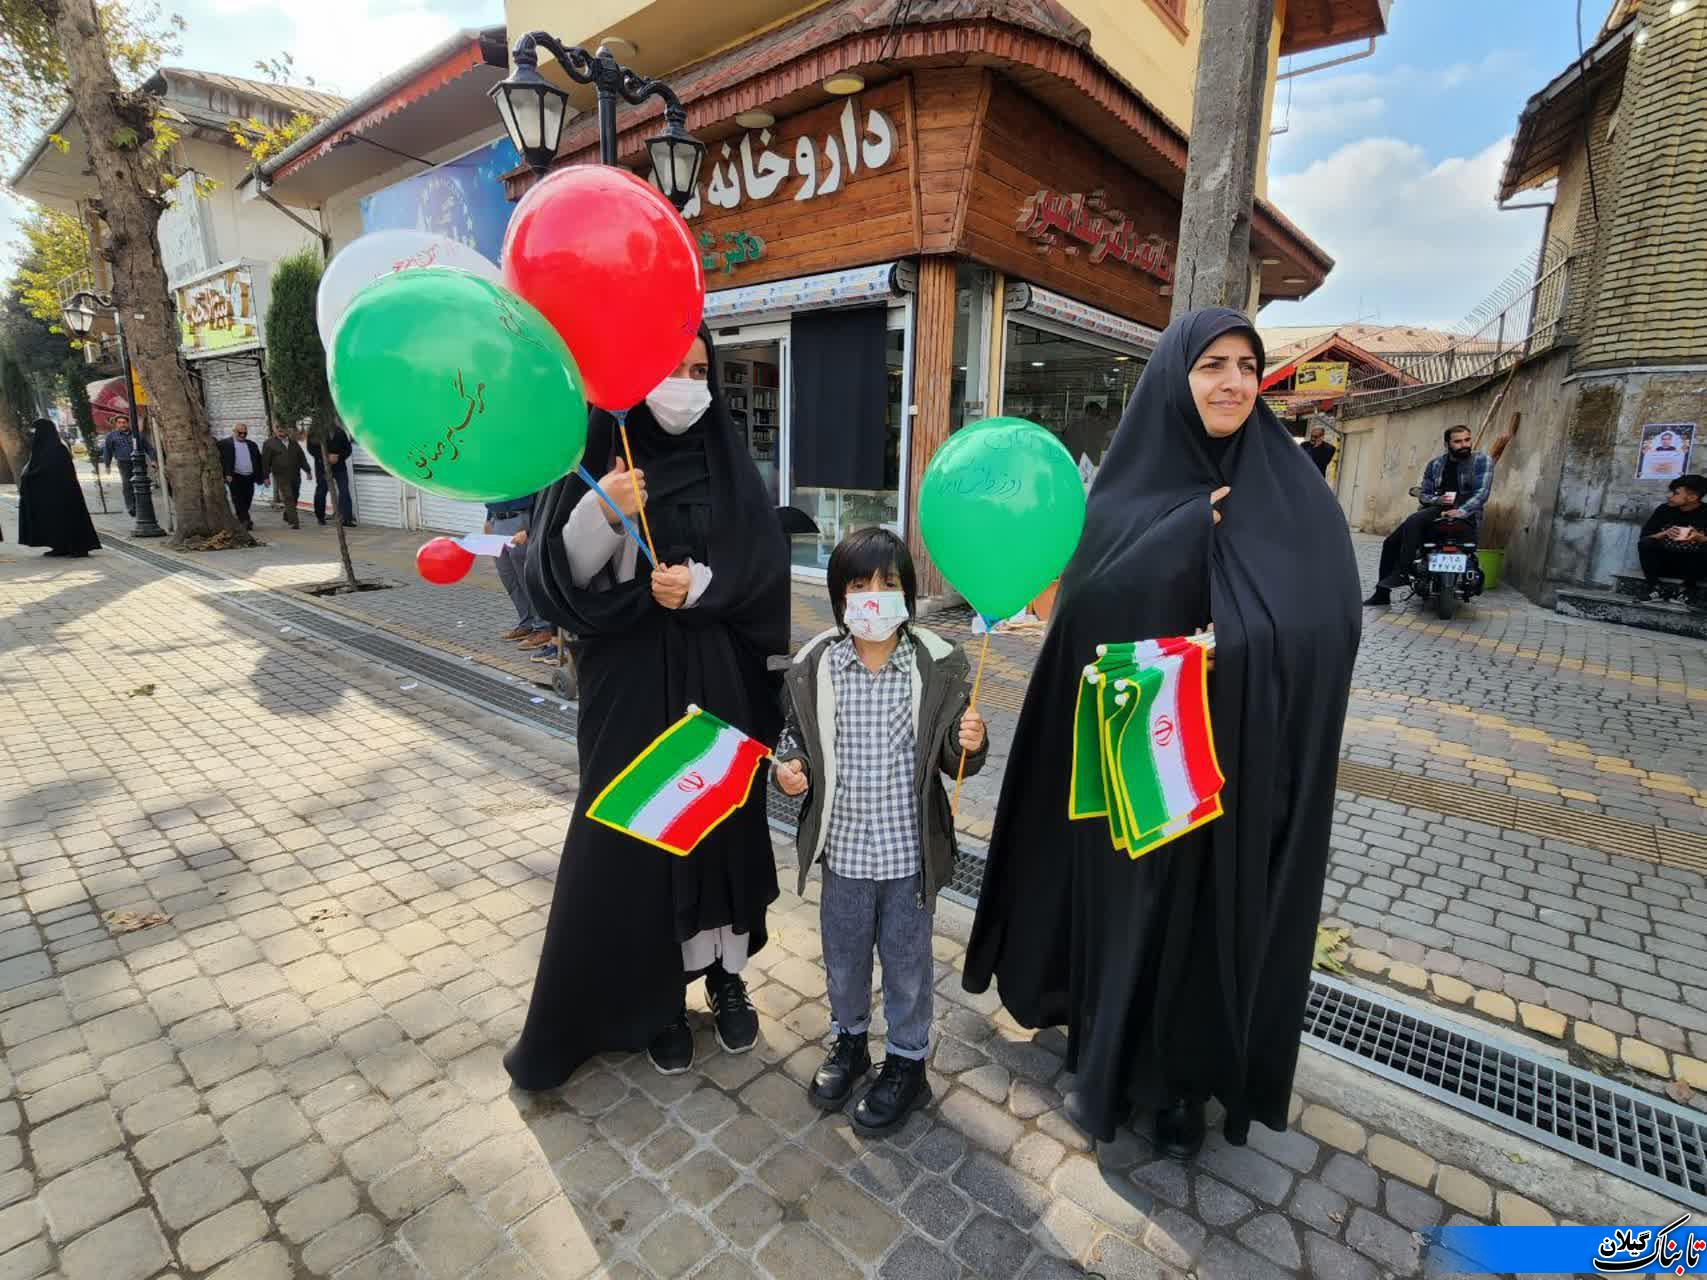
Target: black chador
{"type": "Point", "coordinates": [51, 510]}
{"type": "Point", "coordinates": [1182, 975]}
{"type": "Point", "coordinates": [612, 973]}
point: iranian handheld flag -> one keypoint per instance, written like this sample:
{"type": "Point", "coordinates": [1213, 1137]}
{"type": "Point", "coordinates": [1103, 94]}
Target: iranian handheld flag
{"type": "Point", "coordinates": [1170, 780]}
{"type": "Point", "coordinates": [695, 775]}
{"type": "Point", "coordinates": [1143, 747]}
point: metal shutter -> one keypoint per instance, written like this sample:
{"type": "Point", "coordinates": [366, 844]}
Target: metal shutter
{"type": "Point", "coordinates": [378, 493]}
{"type": "Point", "coordinates": [233, 392]}
{"type": "Point", "coordinates": [447, 515]}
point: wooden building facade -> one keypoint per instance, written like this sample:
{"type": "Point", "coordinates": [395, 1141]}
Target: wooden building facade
{"type": "Point", "coordinates": [986, 225]}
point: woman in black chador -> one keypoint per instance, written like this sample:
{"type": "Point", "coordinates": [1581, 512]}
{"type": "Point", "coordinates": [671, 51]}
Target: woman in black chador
{"type": "Point", "coordinates": [1182, 975]}
{"type": "Point", "coordinates": [632, 925]}
{"type": "Point", "coordinates": [51, 510]}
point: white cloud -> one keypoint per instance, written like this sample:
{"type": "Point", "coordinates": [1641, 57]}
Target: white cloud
{"type": "Point", "coordinates": [1413, 242]}
{"type": "Point", "coordinates": [345, 45]}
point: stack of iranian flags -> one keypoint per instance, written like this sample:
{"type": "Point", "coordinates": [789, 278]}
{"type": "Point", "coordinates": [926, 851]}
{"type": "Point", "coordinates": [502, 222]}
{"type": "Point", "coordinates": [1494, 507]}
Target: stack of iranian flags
{"type": "Point", "coordinates": [1143, 750]}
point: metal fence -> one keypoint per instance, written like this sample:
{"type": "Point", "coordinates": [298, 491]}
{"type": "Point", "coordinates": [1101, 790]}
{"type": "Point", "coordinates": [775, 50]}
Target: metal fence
{"type": "Point", "coordinates": [1521, 318]}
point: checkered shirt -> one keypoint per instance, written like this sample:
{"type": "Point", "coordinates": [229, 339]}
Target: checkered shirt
{"type": "Point", "coordinates": [874, 818]}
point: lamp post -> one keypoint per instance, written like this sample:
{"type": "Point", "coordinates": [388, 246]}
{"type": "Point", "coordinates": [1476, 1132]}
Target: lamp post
{"type": "Point", "coordinates": [79, 313]}
{"type": "Point", "coordinates": [534, 111]}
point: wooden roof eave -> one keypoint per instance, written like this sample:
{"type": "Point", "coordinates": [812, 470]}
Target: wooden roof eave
{"type": "Point", "coordinates": [1070, 80]}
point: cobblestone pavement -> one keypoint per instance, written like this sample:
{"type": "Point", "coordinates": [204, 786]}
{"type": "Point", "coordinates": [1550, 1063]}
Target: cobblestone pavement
{"type": "Point", "coordinates": [267, 922]}
{"type": "Point", "coordinates": [1523, 820]}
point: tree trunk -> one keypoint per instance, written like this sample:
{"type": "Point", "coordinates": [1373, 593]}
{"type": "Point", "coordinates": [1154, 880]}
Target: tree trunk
{"type": "Point", "coordinates": [14, 444]}
{"type": "Point", "coordinates": [119, 127]}
{"type": "Point", "coordinates": [332, 488]}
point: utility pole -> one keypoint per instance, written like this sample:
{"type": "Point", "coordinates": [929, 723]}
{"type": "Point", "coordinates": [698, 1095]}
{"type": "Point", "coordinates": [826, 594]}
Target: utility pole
{"type": "Point", "coordinates": [1221, 165]}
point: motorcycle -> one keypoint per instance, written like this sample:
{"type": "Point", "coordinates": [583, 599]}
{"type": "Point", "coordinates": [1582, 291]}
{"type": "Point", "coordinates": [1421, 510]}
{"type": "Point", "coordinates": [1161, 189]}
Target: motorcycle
{"type": "Point", "coordinates": [1446, 570]}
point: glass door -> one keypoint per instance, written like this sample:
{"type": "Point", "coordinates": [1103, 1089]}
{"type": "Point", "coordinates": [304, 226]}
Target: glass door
{"type": "Point", "coordinates": [753, 362]}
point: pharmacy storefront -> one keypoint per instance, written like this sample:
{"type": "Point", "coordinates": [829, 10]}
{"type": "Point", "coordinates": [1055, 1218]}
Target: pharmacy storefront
{"type": "Point", "coordinates": [891, 264]}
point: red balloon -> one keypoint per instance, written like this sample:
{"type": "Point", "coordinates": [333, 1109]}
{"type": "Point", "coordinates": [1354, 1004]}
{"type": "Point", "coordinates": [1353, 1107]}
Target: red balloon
{"type": "Point", "coordinates": [614, 268]}
{"type": "Point", "coordinates": [442, 562]}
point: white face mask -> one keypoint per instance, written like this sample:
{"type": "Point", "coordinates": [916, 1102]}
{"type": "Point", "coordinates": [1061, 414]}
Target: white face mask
{"type": "Point", "coordinates": [874, 615]}
{"type": "Point", "coordinates": [678, 403]}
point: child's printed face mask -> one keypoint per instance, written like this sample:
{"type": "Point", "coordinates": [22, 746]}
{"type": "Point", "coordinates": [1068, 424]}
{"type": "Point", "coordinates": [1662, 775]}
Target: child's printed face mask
{"type": "Point", "coordinates": [874, 615]}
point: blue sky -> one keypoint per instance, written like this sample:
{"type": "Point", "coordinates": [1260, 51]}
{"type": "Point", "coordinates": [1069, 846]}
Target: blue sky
{"type": "Point", "coordinates": [1389, 163]}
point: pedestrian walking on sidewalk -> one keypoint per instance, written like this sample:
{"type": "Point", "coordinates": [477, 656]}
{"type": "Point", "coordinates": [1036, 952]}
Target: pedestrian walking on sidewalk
{"type": "Point", "coordinates": [241, 458]}
{"type": "Point", "coordinates": [283, 462]}
{"type": "Point", "coordinates": [511, 519]}
{"type": "Point", "coordinates": [1182, 974]}
{"type": "Point", "coordinates": [878, 710]}
{"type": "Point", "coordinates": [51, 510]}
{"type": "Point", "coordinates": [121, 445]}
{"type": "Point", "coordinates": [631, 926]}
{"type": "Point", "coordinates": [333, 455]}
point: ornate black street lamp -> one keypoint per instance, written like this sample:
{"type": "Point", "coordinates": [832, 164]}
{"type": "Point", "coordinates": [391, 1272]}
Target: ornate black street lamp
{"type": "Point", "coordinates": [80, 312]}
{"type": "Point", "coordinates": [534, 111]}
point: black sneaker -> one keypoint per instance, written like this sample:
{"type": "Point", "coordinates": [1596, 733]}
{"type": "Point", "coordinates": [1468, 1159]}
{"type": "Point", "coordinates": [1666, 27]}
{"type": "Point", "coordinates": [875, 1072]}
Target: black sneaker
{"type": "Point", "coordinates": [737, 1020]}
{"type": "Point", "coordinates": [1377, 598]}
{"type": "Point", "coordinates": [671, 1049]}
{"type": "Point", "coordinates": [1180, 1129]}
{"type": "Point", "coordinates": [901, 1089]}
{"type": "Point", "coordinates": [847, 1064]}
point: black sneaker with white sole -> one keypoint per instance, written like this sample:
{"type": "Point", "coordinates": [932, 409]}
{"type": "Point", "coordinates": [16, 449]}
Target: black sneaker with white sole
{"type": "Point", "coordinates": [671, 1049]}
{"type": "Point", "coordinates": [737, 1020]}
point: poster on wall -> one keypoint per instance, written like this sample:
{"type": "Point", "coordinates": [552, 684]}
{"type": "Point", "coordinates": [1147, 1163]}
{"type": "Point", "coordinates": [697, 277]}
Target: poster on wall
{"type": "Point", "coordinates": [1666, 449]}
{"type": "Point", "coordinates": [220, 312]}
{"type": "Point", "coordinates": [462, 199]}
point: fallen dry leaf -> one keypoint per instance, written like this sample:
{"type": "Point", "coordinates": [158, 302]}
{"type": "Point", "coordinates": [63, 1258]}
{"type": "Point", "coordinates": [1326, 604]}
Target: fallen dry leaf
{"type": "Point", "coordinates": [1679, 1091]}
{"type": "Point", "coordinates": [142, 691]}
{"type": "Point", "coordinates": [131, 921]}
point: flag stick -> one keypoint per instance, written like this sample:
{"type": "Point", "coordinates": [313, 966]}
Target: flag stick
{"type": "Point", "coordinates": [960, 773]}
{"type": "Point", "coordinates": [628, 453]}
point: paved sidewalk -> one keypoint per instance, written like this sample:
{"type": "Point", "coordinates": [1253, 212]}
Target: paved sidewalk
{"type": "Point", "coordinates": [292, 1066]}
{"type": "Point", "coordinates": [1521, 831]}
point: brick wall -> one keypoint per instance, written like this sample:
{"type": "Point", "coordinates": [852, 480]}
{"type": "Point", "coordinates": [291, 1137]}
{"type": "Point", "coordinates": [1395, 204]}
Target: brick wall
{"type": "Point", "coordinates": [1651, 301]}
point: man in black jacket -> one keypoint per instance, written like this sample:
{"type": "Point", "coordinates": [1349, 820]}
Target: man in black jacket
{"type": "Point", "coordinates": [241, 459]}
{"type": "Point", "coordinates": [1674, 540]}
{"type": "Point", "coordinates": [334, 453]}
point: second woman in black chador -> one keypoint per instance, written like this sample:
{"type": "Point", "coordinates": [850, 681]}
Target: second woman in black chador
{"type": "Point", "coordinates": [630, 924]}
{"type": "Point", "coordinates": [1182, 975]}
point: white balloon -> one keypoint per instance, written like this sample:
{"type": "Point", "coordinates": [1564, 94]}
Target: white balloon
{"type": "Point", "coordinates": [383, 253]}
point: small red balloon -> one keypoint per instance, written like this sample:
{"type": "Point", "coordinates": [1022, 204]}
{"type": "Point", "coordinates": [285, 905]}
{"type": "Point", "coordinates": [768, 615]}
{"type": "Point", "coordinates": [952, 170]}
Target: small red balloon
{"type": "Point", "coordinates": [614, 268]}
{"type": "Point", "coordinates": [442, 562]}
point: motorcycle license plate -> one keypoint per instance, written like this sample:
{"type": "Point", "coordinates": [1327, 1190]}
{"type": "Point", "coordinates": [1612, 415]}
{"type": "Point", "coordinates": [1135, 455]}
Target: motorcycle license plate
{"type": "Point", "coordinates": [1441, 562]}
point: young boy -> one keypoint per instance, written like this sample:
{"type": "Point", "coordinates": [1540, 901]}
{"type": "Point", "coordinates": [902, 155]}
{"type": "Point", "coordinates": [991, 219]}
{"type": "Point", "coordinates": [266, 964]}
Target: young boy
{"type": "Point", "coordinates": [878, 712]}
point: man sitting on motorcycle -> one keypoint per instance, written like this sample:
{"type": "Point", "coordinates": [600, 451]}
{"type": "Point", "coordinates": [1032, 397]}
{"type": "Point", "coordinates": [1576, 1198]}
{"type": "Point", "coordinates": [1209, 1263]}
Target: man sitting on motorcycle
{"type": "Point", "coordinates": [1454, 486]}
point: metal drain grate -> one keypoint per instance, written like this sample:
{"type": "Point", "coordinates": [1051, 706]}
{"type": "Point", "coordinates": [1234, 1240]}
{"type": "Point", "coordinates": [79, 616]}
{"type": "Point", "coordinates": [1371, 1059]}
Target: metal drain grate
{"type": "Point", "coordinates": [1634, 1135]}
{"type": "Point", "coordinates": [513, 698]}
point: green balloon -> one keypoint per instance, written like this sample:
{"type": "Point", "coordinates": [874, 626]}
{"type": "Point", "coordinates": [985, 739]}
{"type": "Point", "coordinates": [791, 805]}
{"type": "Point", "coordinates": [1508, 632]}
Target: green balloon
{"type": "Point", "coordinates": [1001, 509]}
{"type": "Point", "coordinates": [456, 385]}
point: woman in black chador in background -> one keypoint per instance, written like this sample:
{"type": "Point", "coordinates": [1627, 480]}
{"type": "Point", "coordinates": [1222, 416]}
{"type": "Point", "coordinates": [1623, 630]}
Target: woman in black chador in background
{"type": "Point", "coordinates": [631, 925]}
{"type": "Point", "coordinates": [51, 510]}
{"type": "Point", "coordinates": [1182, 975]}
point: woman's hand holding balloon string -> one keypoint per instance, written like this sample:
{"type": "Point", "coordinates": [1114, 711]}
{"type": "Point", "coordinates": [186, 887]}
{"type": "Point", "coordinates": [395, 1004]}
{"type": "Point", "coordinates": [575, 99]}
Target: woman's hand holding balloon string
{"type": "Point", "coordinates": [626, 490]}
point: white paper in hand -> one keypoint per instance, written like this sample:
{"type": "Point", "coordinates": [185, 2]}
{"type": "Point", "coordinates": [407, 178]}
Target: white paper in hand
{"type": "Point", "coordinates": [483, 544]}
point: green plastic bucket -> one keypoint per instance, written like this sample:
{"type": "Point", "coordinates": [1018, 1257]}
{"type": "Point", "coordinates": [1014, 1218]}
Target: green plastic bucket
{"type": "Point", "coordinates": [1493, 564]}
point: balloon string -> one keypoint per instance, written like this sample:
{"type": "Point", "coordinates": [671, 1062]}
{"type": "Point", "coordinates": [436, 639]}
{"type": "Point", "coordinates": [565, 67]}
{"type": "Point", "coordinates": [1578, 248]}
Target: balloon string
{"type": "Point", "coordinates": [622, 426]}
{"type": "Point", "coordinates": [626, 522]}
{"type": "Point", "coordinates": [960, 773]}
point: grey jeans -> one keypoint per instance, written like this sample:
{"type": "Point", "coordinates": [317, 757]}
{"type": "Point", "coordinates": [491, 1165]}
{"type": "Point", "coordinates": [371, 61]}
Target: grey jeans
{"type": "Point", "coordinates": [855, 915]}
{"type": "Point", "coordinates": [512, 562]}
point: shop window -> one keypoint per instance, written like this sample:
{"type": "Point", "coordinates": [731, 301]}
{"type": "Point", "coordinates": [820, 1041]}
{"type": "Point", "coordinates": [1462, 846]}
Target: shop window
{"type": "Point", "coordinates": [1076, 389]}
